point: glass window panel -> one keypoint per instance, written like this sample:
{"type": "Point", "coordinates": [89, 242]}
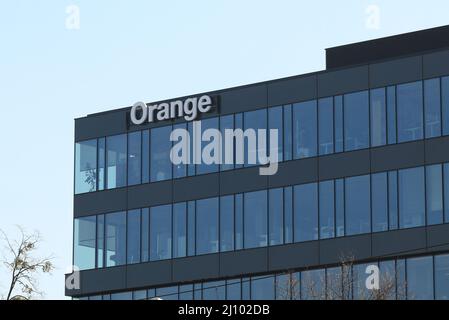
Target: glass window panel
{"type": "Point", "coordinates": [106, 297]}
{"type": "Point", "coordinates": [326, 125]}
{"type": "Point", "coordinates": [238, 221]}
{"type": "Point", "coordinates": [122, 296]}
{"type": "Point", "coordinates": [208, 168]}
{"type": "Point", "coordinates": [116, 161]}
{"type": "Point", "coordinates": [420, 278]}
{"type": "Point", "coordinates": [86, 166]}
{"type": "Point", "coordinates": [275, 123]}
{"type": "Point", "coordinates": [100, 241]}
{"type": "Point", "coordinates": [356, 121]}
{"type": "Point", "coordinates": [198, 293]}
{"type": "Point", "coordinates": [180, 170]}
{"type": "Point", "coordinates": [134, 158]}
{"type": "Point", "coordinates": [401, 283]}
{"type": "Point", "coordinates": [161, 165]}
{"type": "Point", "coordinates": [191, 222]}
{"type": "Point", "coordinates": [296, 285]}
{"type": "Point", "coordinates": [226, 123]}
{"type": "Point", "coordinates": [378, 118]}
{"type": "Point", "coordinates": [391, 115]}
{"type": "Point", "coordinates": [434, 191]}
{"type": "Point", "coordinates": [411, 198]}
{"type": "Point", "coordinates": [145, 235]}
{"type": "Point", "coordinates": [340, 207]}
{"type": "Point", "coordinates": [101, 163]}
{"type": "Point", "coordinates": [179, 230]}
{"type": "Point", "coordinates": [96, 298]}
{"type": "Point", "coordinates": [186, 292]}
{"type": "Point", "coordinates": [393, 203]}
{"type": "Point", "coordinates": [238, 124]}
{"type": "Point", "coordinates": [133, 233]}
{"type": "Point", "coordinates": [115, 239]}
{"type": "Point", "coordinates": [442, 277]}
{"type": "Point", "coordinates": [379, 183]}
{"type": "Point", "coordinates": [288, 144]}
{"type": "Point", "coordinates": [338, 100]}
{"type": "Point", "coordinates": [227, 223]}
{"type": "Point", "coordinates": [446, 192]}
{"type": "Point", "coordinates": [283, 287]}
{"type": "Point", "coordinates": [255, 223]}
{"type": "Point", "coordinates": [360, 292]}
{"type": "Point", "coordinates": [313, 285]}
{"type": "Point", "coordinates": [357, 203]}
{"type": "Point", "coordinates": [288, 215]}
{"type": "Point", "coordinates": [207, 226]}
{"type": "Point", "coordinates": [327, 214]}
{"type": "Point", "coordinates": [160, 232]}
{"type": "Point", "coordinates": [191, 168]}
{"type": "Point", "coordinates": [432, 105]}
{"type": "Point", "coordinates": [334, 284]}
{"type": "Point", "coordinates": [410, 112]}
{"type": "Point", "coordinates": [214, 290]}
{"type": "Point", "coordinates": [145, 156]}
{"type": "Point", "coordinates": [387, 279]}
{"type": "Point", "coordinates": [306, 212]}
{"type": "Point", "coordinates": [140, 295]}
{"type": "Point", "coordinates": [262, 288]}
{"type": "Point", "coordinates": [276, 216]}
{"type": "Point", "coordinates": [254, 120]}
{"type": "Point", "coordinates": [84, 247]}
{"type": "Point", "coordinates": [233, 289]}
{"type": "Point", "coordinates": [170, 293]}
{"type": "Point", "coordinates": [246, 289]}
{"type": "Point", "coordinates": [445, 104]}
{"type": "Point", "coordinates": [151, 293]}
{"type": "Point", "coordinates": [305, 129]}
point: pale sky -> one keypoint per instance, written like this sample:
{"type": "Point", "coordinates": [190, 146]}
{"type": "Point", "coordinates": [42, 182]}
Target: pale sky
{"type": "Point", "coordinates": [128, 51]}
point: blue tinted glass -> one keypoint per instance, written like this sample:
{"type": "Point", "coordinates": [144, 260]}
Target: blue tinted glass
{"type": "Point", "coordinates": [379, 194]}
{"type": "Point", "coordinates": [420, 278]}
{"type": "Point", "coordinates": [388, 279]}
{"type": "Point", "coordinates": [191, 222]}
{"type": "Point", "coordinates": [360, 292]}
{"type": "Point", "coordinates": [133, 225]}
{"type": "Point", "coordinates": [116, 161]}
{"type": "Point", "coordinates": [340, 207]}
{"type": "Point", "coordinates": [434, 194]}
{"type": "Point", "coordinates": [207, 226]}
{"type": "Point", "coordinates": [233, 290]}
{"type": "Point", "coordinates": [161, 166]}
{"type": "Point", "coordinates": [186, 292]}
{"type": "Point", "coordinates": [442, 277]}
{"type": "Point", "coordinates": [84, 243]}
{"type": "Point", "coordinates": [378, 118]}
{"type": "Point", "coordinates": [123, 296]}
{"type": "Point", "coordinates": [306, 212]}
{"type": "Point", "coordinates": [432, 105]}
{"type": "Point", "coordinates": [334, 284]}
{"type": "Point", "coordinates": [288, 144]}
{"type": "Point", "coordinates": [145, 156]}
{"type": "Point", "coordinates": [179, 230]}
{"type": "Point", "coordinates": [446, 192]}
{"type": "Point", "coordinates": [401, 282]}
{"type": "Point", "coordinates": [238, 124]}
{"type": "Point", "coordinates": [410, 112]}
{"type": "Point", "coordinates": [134, 158]}
{"type": "Point", "coordinates": [445, 104]}
{"type": "Point", "coordinates": [357, 203]}
{"type": "Point", "coordinates": [391, 115]}
{"type": "Point", "coordinates": [101, 163]}
{"type": "Point", "coordinates": [276, 217]}
{"type": "Point", "coordinates": [313, 285]}
{"type": "Point", "coordinates": [254, 120]}
{"type": "Point", "coordinates": [115, 239]}
{"type": "Point", "coordinates": [255, 223]}
{"type": "Point", "coordinates": [246, 289]}
{"type": "Point", "coordinates": [140, 295]}
{"type": "Point", "coordinates": [338, 123]}
{"type": "Point", "coordinates": [145, 235]}
{"type": "Point", "coordinates": [227, 223]}
{"type": "Point", "coordinates": [180, 170]}
{"type": "Point", "coordinates": [191, 167]}
{"type": "Point", "coordinates": [209, 147]}
{"type": "Point", "coordinates": [170, 293]}
{"type": "Point", "coordinates": [214, 290]}
{"type": "Point", "coordinates": [262, 288]}
{"type": "Point", "coordinates": [326, 125]}
{"type": "Point", "coordinates": [356, 121]}
{"type": "Point", "coordinates": [283, 284]}
{"type": "Point", "coordinates": [411, 198]}
{"type": "Point", "coordinates": [238, 221]}
{"type": "Point", "coordinates": [86, 166]}
{"type": "Point", "coordinates": [288, 215]}
{"type": "Point", "coordinates": [305, 130]}
{"type": "Point", "coordinates": [393, 204]}
{"type": "Point", "coordinates": [198, 293]}
{"type": "Point", "coordinates": [160, 233]}
{"type": "Point", "coordinates": [226, 123]}
{"type": "Point", "coordinates": [275, 123]}
{"type": "Point", "coordinates": [100, 241]}
{"type": "Point", "coordinates": [327, 215]}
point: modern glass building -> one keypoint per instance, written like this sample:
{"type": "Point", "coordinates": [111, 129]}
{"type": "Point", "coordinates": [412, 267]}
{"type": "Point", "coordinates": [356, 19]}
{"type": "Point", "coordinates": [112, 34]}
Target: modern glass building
{"type": "Point", "coordinates": [363, 180]}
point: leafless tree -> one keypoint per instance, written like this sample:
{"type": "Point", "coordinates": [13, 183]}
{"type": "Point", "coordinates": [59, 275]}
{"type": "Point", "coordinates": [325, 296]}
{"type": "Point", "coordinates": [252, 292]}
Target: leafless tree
{"type": "Point", "coordinates": [22, 265]}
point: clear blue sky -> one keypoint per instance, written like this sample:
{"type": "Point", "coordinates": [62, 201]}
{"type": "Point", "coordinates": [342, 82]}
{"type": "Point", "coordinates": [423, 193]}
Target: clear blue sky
{"type": "Point", "coordinates": [127, 51]}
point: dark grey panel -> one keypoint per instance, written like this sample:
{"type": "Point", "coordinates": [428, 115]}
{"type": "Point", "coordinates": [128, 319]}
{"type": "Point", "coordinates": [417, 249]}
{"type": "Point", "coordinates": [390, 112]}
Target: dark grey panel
{"type": "Point", "coordinates": [292, 90]}
{"type": "Point", "coordinates": [344, 165]}
{"type": "Point", "coordinates": [242, 180]}
{"type": "Point", "coordinates": [438, 235]}
{"type": "Point", "coordinates": [437, 150]}
{"type": "Point", "coordinates": [99, 202]}
{"type": "Point", "coordinates": [99, 126]}
{"type": "Point", "coordinates": [296, 255]}
{"type": "Point", "coordinates": [198, 187]}
{"type": "Point", "coordinates": [295, 172]}
{"type": "Point", "coordinates": [397, 156]}
{"type": "Point", "coordinates": [243, 99]}
{"type": "Point", "coordinates": [196, 268]}
{"type": "Point", "coordinates": [149, 195]}
{"type": "Point", "coordinates": [149, 274]}
{"type": "Point", "coordinates": [244, 262]}
{"type": "Point", "coordinates": [335, 251]}
{"type": "Point", "coordinates": [436, 64]}
{"type": "Point", "coordinates": [396, 71]}
{"type": "Point", "coordinates": [399, 242]}
{"type": "Point", "coordinates": [108, 279]}
{"type": "Point", "coordinates": [342, 81]}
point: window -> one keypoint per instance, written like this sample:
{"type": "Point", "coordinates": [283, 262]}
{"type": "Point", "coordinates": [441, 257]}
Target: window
{"type": "Point", "coordinates": [359, 290]}
{"type": "Point", "coordinates": [313, 285]}
{"type": "Point", "coordinates": [334, 284]}
{"type": "Point", "coordinates": [288, 144]}
{"type": "Point", "coordinates": [227, 223]}
{"type": "Point", "coordinates": [133, 233]}
{"type": "Point", "coordinates": [226, 123]}
{"type": "Point", "coordinates": [420, 278]}
{"type": "Point", "coordinates": [357, 203]}
{"type": "Point", "coordinates": [134, 158]}
{"type": "Point", "coordinates": [288, 215]}
{"type": "Point", "coordinates": [340, 207]}
{"type": "Point", "coordinates": [191, 222]}
{"type": "Point", "coordinates": [207, 226]}
{"type": "Point", "coordinates": [233, 289]}
{"type": "Point", "coordinates": [391, 115]}
{"type": "Point", "coordinates": [180, 170]}
{"type": "Point", "coordinates": [116, 161]}
{"type": "Point", "coordinates": [305, 130]}
{"type": "Point", "coordinates": [100, 241]}
{"type": "Point", "coordinates": [238, 221]}
{"type": "Point", "coordinates": [145, 235]}
{"type": "Point", "coordinates": [255, 223]}
{"type": "Point", "coordinates": [146, 156]}
{"type": "Point", "coordinates": [115, 239]}
{"type": "Point", "coordinates": [276, 217]}
{"type": "Point", "coordinates": [275, 123]}
{"type": "Point", "coordinates": [179, 230]}
{"type": "Point", "coordinates": [432, 105]}
{"type": "Point", "coordinates": [140, 295]}
{"type": "Point", "coordinates": [327, 204]}
{"type": "Point", "coordinates": [379, 196]}
{"type": "Point", "coordinates": [434, 197]}
{"type": "Point", "coordinates": [410, 112]}
{"type": "Point", "coordinates": [306, 212]}
{"type": "Point", "coordinates": [254, 120]}
{"type": "Point", "coordinates": [356, 121]}
{"type": "Point", "coordinates": [446, 192]}
{"type": "Point", "coordinates": [101, 163]}
{"type": "Point", "coordinates": [186, 292]}
{"type": "Point", "coordinates": [338, 123]}
{"type": "Point", "coordinates": [86, 166]}
{"type": "Point", "coordinates": [214, 290]}
{"type": "Point", "coordinates": [326, 125]}
{"type": "Point", "coordinates": [387, 279]}
{"type": "Point", "coordinates": [445, 104]}
{"type": "Point", "coordinates": [262, 288]}
{"type": "Point", "coordinates": [160, 233]}
{"type": "Point", "coordinates": [378, 118]}
{"type": "Point", "coordinates": [442, 277]}
{"type": "Point", "coordinates": [161, 165]}
{"type": "Point", "coordinates": [411, 198]}
{"type": "Point", "coordinates": [393, 203]}
{"type": "Point", "coordinates": [170, 293]}
{"type": "Point", "coordinates": [213, 153]}
{"type": "Point", "coordinates": [84, 243]}
{"type": "Point", "coordinates": [122, 296]}
{"type": "Point", "coordinates": [283, 287]}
